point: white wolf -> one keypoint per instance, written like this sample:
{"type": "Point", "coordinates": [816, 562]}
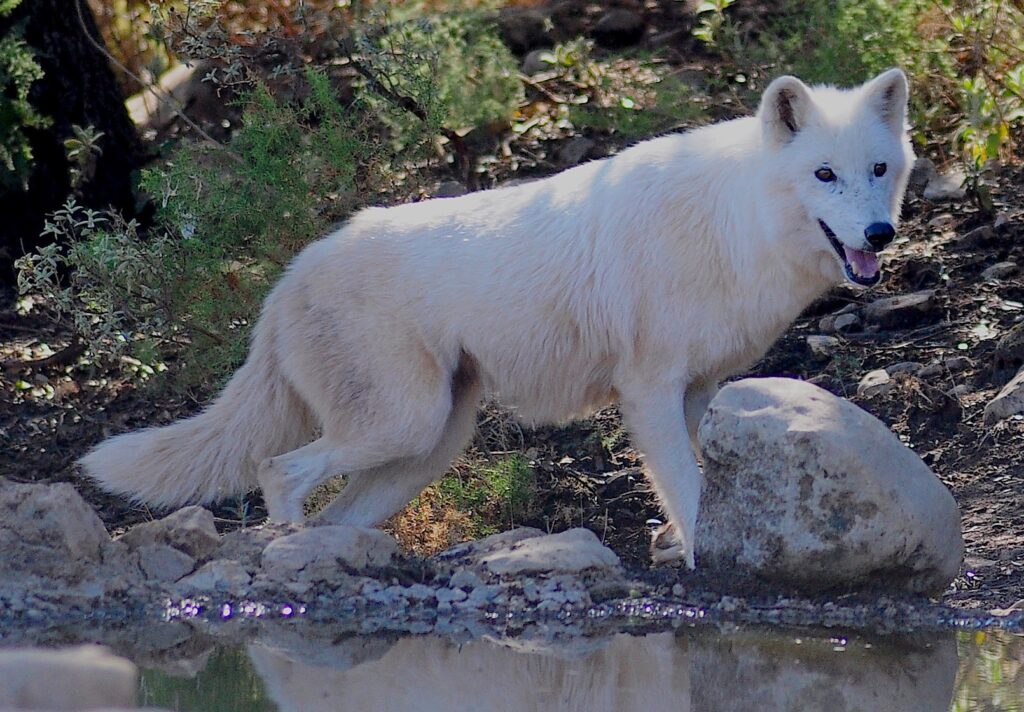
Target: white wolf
{"type": "Point", "coordinates": [642, 279]}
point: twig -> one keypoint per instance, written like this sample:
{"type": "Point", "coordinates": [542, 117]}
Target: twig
{"type": "Point", "coordinates": [67, 355]}
{"type": "Point", "coordinates": [167, 100]}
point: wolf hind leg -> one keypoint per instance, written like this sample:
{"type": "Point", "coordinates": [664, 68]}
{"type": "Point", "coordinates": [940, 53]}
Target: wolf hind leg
{"type": "Point", "coordinates": [371, 496]}
{"type": "Point", "coordinates": [390, 429]}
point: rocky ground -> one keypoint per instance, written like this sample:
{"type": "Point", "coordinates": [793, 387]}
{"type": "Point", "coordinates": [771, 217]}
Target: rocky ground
{"type": "Point", "coordinates": [929, 366]}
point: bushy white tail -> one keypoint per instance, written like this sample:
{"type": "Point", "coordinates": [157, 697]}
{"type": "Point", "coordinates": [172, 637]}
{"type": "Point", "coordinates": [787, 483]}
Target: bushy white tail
{"type": "Point", "coordinates": [214, 454]}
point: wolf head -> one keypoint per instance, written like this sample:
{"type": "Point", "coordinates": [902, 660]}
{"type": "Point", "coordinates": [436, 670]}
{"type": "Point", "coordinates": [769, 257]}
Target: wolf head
{"type": "Point", "coordinates": [843, 158]}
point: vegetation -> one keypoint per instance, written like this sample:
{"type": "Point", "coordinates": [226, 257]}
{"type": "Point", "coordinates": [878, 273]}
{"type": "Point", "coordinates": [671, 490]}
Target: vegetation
{"type": "Point", "coordinates": [18, 71]}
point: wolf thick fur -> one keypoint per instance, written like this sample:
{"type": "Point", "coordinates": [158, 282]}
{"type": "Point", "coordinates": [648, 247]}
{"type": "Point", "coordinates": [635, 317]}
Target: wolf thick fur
{"type": "Point", "coordinates": [642, 279]}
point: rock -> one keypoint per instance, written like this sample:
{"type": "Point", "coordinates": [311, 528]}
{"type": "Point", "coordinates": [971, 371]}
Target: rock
{"type": "Point", "coordinates": [49, 531]}
{"type": "Point", "coordinates": [321, 552]}
{"type": "Point", "coordinates": [949, 365]}
{"type": "Point", "coordinates": [523, 29]}
{"type": "Point", "coordinates": [537, 61]}
{"type": "Point", "coordinates": [806, 489]}
{"type": "Point", "coordinates": [1009, 401]}
{"type": "Point", "coordinates": [465, 579]}
{"type": "Point", "coordinates": [958, 392]}
{"type": "Point", "coordinates": [922, 172]}
{"type": "Point", "coordinates": [164, 563]}
{"type": "Point", "coordinates": [574, 151]}
{"type": "Point", "coordinates": [942, 221]}
{"type": "Point", "coordinates": [978, 237]}
{"type": "Point", "coordinates": [619, 28]}
{"type": "Point", "coordinates": [839, 323]}
{"type": "Point", "coordinates": [85, 677]}
{"type": "Point", "coordinates": [189, 530]}
{"type": "Point", "coordinates": [949, 186]}
{"type": "Point", "coordinates": [450, 189]}
{"type": "Point", "coordinates": [222, 575]}
{"type": "Point", "coordinates": [570, 551]}
{"type": "Point", "coordinates": [874, 383]}
{"type": "Point", "coordinates": [903, 310]}
{"type": "Point", "coordinates": [1009, 355]}
{"type": "Point", "coordinates": [911, 367]}
{"type": "Point", "coordinates": [469, 553]}
{"type": "Point", "coordinates": [1000, 270]}
{"type": "Point", "coordinates": [823, 346]}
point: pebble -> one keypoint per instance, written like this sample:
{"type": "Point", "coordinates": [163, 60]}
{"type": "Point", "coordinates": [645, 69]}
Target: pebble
{"type": "Point", "coordinates": [874, 383]}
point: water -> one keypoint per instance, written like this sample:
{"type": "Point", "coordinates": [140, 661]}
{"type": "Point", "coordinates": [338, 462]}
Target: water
{"type": "Point", "coordinates": [699, 669]}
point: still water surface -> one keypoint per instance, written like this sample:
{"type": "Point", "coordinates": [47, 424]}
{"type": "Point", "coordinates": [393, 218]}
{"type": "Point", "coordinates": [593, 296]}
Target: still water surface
{"type": "Point", "coordinates": [688, 670]}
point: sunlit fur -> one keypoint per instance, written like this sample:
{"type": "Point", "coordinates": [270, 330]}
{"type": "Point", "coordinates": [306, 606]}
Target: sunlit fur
{"type": "Point", "coordinates": [642, 279]}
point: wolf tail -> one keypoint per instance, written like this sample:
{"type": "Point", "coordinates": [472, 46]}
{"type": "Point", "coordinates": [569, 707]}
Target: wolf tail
{"type": "Point", "coordinates": [213, 454]}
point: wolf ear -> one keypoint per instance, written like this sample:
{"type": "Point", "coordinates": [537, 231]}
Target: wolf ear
{"type": "Point", "coordinates": [786, 107]}
{"type": "Point", "coordinates": [887, 95]}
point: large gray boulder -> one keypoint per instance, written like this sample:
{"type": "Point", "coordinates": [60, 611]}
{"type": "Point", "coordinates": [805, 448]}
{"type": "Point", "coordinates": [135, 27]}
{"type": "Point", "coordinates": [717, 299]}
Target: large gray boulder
{"type": "Point", "coordinates": [807, 489]}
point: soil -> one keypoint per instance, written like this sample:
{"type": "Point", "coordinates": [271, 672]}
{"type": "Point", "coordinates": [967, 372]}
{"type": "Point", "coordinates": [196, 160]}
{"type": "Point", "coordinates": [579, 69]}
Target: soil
{"type": "Point", "coordinates": [586, 473]}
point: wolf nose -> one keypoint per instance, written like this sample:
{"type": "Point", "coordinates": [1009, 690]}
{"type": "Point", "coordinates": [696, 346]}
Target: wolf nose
{"type": "Point", "coordinates": [879, 234]}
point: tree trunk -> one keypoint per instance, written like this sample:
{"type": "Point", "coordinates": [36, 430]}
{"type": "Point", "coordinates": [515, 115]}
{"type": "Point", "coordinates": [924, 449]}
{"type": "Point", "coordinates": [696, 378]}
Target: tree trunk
{"type": "Point", "coordinates": [78, 88]}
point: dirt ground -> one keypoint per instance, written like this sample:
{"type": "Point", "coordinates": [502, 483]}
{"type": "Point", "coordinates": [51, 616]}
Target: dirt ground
{"type": "Point", "coordinates": [53, 409]}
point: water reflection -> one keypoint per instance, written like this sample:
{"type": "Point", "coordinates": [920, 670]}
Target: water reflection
{"type": "Point", "coordinates": [693, 671]}
{"type": "Point", "coordinates": [698, 670]}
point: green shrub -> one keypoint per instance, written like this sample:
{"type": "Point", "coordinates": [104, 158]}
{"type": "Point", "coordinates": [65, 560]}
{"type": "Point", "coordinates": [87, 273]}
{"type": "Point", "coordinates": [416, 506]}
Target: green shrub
{"type": "Point", "coordinates": [227, 222]}
{"type": "Point", "coordinates": [18, 71]}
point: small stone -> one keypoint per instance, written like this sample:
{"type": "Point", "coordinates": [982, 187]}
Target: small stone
{"type": "Point", "coordinates": [450, 595]}
{"type": "Point", "coordinates": [978, 237]}
{"type": "Point", "coordinates": [450, 189]}
{"type": "Point", "coordinates": [947, 366]}
{"type": "Point", "coordinates": [822, 346]}
{"type": "Point", "coordinates": [922, 172]}
{"type": "Point", "coordinates": [1009, 401]}
{"type": "Point", "coordinates": [903, 310]}
{"type": "Point", "coordinates": [523, 29]}
{"type": "Point", "coordinates": [419, 592]}
{"type": "Point", "coordinates": [1009, 355]}
{"type": "Point", "coordinates": [464, 579]}
{"type": "Point", "coordinates": [943, 187]}
{"type": "Point", "coordinates": [958, 392]}
{"type": "Point", "coordinates": [190, 530]}
{"type": "Point", "coordinates": [537, 61]}
{"type": "Point", "coordinates": [619, 28]}
{"type": "Point", "coordinates": [839, 323]}
{"type": "Point", "coordinates": [572, 551]}
{"type": "Point", "coordinates": [942, 221]}
{"type": "Point", "coordinates": [222, 575]}
{"type": "Point", "coordinates": [678, 590]}
{"type": "Point", "coordinates": [998, 271]}
{"type": "Point", "coordinates": [911, 367]}
{"type": "Point", "coordinates": [875, 383]}
{"type": "Point", "coordinates": [323, 552]}
{"type": "Point", "coordinates": [531, 592]}
{"type": "Point", "coordinates": [164, 563]}
{"type": "Point", "coordinates": [573, 151]}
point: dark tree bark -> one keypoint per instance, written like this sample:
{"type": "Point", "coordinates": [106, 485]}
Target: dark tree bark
{"type": "Point", "coordinates": [79, 87]}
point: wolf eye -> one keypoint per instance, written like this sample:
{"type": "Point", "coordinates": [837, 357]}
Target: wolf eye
{"type": "Point", "coordinates": [825, 175]}
{"type": "Point", "coordinates": [880, 169]}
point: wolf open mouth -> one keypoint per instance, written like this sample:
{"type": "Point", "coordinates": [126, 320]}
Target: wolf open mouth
{"type": "Point", "coordinates": [861, 266]}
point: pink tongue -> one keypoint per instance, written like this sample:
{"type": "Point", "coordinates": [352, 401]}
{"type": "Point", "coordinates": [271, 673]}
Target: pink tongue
{"type": "Point", "coordinates": [865, 262]}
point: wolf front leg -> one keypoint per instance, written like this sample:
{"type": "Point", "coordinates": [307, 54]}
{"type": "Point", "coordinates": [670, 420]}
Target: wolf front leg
{"type": "Point", "coordinates": [656, 420]}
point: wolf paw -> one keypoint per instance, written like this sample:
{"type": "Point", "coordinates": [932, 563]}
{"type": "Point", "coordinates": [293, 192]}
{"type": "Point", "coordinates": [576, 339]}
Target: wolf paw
{"type": "Point", "coordinates": [667, 547]}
